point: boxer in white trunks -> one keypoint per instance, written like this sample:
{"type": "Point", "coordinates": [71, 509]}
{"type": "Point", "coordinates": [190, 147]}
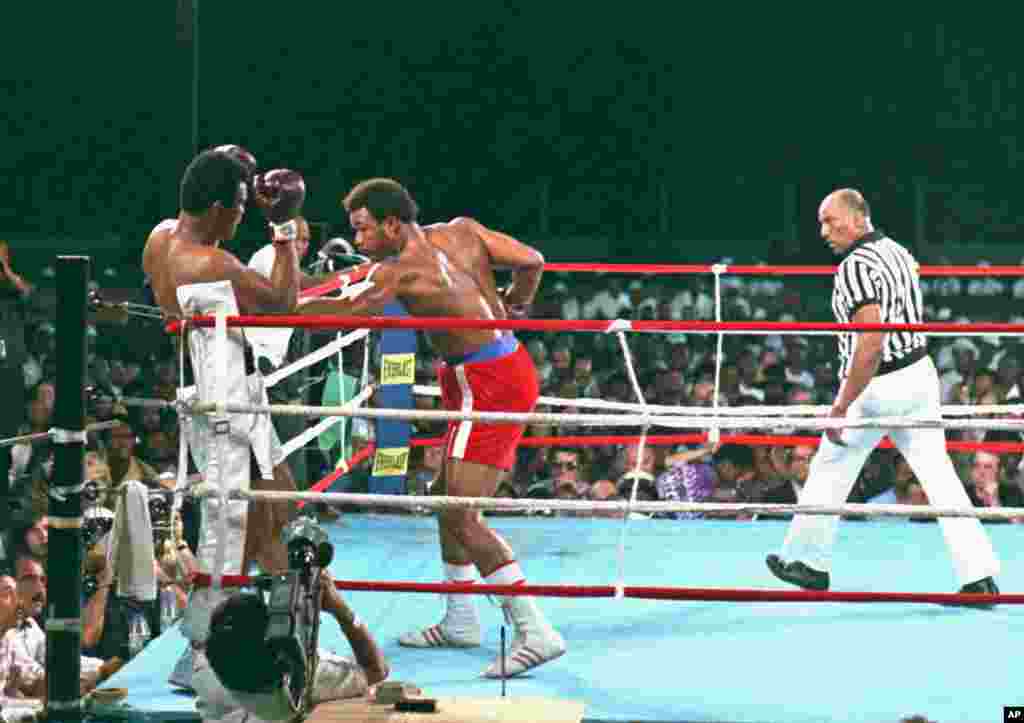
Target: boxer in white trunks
{"type": "Point", "coordinates": [189, 274]}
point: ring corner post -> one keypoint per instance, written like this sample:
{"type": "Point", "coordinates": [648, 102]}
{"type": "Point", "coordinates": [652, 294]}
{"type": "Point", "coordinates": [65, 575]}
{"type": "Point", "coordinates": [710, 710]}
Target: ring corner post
{"type": "Point", "coordinates": [397, 376]}
{"type": "Point", "coordinates": [63, 624]}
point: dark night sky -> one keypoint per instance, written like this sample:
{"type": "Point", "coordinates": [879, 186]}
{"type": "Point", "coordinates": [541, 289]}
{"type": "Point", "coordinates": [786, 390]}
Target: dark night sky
{"type": "Point", "coordinates": [479, 111]}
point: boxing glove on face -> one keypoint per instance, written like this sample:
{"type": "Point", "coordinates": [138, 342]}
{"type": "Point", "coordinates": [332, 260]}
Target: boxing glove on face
{"type": "Point", "coordinates": [280, 193]}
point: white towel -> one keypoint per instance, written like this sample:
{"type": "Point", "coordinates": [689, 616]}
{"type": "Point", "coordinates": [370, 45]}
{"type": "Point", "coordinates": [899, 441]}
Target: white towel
{"type": "Point", "coordinates": [131, 551]}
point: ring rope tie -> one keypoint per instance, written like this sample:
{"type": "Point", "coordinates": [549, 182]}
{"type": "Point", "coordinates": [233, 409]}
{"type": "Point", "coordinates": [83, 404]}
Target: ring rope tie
{"type": "Point", "coordinates": [69, 436]}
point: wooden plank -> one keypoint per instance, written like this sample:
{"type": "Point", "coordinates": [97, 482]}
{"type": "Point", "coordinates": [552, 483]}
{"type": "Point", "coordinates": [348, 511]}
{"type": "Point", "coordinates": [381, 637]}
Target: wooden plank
{"type": "Point", "coordinates": [455, 710]}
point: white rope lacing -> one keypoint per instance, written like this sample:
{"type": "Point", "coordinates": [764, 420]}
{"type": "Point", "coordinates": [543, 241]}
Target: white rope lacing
{"type": "Point", "coordinates": [620, 585]}
{"type": "Point", "coordinates": [714, 433]}
{"type": "Point", "coordinates": [221, 430]}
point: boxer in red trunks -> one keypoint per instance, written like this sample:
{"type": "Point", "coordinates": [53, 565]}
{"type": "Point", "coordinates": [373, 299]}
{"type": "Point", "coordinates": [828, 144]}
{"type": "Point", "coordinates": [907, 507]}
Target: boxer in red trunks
{"type": "Point", "coordinates": [448, 270]}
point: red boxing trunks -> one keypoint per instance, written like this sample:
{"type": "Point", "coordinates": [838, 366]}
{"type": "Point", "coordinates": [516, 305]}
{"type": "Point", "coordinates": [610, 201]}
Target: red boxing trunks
{"type": "Point", "coordinates": [499, 377]}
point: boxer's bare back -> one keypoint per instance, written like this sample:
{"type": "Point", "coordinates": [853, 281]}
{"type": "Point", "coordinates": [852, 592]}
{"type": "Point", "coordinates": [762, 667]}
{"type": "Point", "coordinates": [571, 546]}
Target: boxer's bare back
{"type": "Point", "coordinates": [444, 270]}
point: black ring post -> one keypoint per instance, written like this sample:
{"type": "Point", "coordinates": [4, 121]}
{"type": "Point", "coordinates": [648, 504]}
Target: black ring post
{"type": "Point", "coordinates": [64, 587]}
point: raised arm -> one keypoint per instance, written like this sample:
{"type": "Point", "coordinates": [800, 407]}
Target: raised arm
{"type": "Point", "coordinates": [259, 294]}
{"type": "Point", "coordinates": [525, 262]}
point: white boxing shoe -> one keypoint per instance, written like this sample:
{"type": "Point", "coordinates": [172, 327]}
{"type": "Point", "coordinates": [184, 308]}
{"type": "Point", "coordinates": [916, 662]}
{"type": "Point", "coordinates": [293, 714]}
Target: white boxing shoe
{"type": "Point", "coordinates": [460, 627]}
{"type": "Point", "coordinates": [534, 643]}
{"type": "Point", "coordinates": [442, 635]}
{"type": "Point", "coordinates": [527, 654]}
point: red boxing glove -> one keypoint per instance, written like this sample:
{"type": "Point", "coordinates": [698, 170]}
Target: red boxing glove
{"type": "Point", "coordinates": [281, 193]}
{"type": "Point", "coordinates": [243, 156]}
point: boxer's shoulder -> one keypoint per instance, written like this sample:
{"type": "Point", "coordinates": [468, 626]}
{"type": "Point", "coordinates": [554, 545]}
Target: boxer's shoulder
{"type": "Point", "coordinates": [458, 231]}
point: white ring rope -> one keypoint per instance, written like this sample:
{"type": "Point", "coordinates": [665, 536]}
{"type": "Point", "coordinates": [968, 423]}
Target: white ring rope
{"type": "Point", "coordinates": [310, 359]}
{"type": "Point", "coordinates": [794, 410]}
{"type": "Point", "coordinates": [300, 440]}
{"type": "Point", "coordinates": [616, 420]}
{"type": "Point", "coordinates": [951, 410]}
{"type": "Point", "coordinates": [514, 505]}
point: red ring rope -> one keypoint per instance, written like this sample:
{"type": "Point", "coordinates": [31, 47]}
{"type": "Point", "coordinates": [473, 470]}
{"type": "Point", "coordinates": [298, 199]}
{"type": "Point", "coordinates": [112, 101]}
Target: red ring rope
{"type": "Point", "coordinates": [754, 440]}
{"type": "Point", "coordinates": [338, 473]}
{"type": "Point", "coordinates": [765, 270]}
{"type": "Point", "coordinates": [653, 593]}
{"type": "Point", "coordinates": [335, 323]}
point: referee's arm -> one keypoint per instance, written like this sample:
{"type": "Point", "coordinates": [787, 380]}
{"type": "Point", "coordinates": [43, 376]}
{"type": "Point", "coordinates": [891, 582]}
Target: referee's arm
{"type": "Point", "coordinates": [867, 355]}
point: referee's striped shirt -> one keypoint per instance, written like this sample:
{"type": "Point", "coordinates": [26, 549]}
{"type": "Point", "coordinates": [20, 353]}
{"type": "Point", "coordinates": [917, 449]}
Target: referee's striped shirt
{"type": "Point", "coordinates": [877, 270]}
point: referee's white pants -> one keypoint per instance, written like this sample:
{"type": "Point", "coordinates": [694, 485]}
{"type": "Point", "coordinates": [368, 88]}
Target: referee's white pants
{"type": "Point", "coordinates": [911, 391]}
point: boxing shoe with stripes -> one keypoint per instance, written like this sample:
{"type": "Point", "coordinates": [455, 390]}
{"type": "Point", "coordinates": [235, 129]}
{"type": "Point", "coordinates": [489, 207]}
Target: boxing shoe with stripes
{"type": "Point", "coordinates": [460, 627]}
{"type": "Point", "coordinates": [441, 635]}
{"type": "Point", "coordinates": [534, 643]}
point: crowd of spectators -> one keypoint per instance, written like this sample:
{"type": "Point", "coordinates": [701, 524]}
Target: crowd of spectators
{"type": "Point", "coordinates": [677, 369]}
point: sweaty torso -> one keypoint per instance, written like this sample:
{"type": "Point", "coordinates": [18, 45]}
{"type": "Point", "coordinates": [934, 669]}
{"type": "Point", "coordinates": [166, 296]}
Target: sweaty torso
{"type": "Point", "coordinates": [450, 274]}
{"type": "Point", "coordinates": [171, 261]}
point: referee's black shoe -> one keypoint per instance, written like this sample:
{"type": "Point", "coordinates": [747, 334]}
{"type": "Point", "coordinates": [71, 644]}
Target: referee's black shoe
{"type": "Point", "coordinates": [984, 586]}
{"type": "Point", "coordinates": [797, 573]}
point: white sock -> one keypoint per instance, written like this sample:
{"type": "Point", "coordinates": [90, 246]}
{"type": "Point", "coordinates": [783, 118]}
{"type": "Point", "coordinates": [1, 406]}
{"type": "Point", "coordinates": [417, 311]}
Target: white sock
{"type": "Point", "coordinates": [461, 610]}
{"type": "Point", "coordinates": [460, 573]}
{"type": "Point", "coordinates": [508, 574]}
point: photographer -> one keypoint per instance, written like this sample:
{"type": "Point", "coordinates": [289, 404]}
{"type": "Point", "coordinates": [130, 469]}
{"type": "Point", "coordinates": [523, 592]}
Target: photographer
{"type": "Point", "coordinates": [237, 654]}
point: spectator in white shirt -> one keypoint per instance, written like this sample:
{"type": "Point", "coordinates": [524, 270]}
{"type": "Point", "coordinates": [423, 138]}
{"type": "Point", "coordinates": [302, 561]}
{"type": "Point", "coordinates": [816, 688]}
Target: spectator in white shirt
{"type": "Point", "coordinates": [609, 303]}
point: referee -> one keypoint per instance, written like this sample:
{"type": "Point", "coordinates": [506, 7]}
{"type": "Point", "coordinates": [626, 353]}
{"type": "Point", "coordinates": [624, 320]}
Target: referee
{"type": "Point", "coordinates": [883, 374]}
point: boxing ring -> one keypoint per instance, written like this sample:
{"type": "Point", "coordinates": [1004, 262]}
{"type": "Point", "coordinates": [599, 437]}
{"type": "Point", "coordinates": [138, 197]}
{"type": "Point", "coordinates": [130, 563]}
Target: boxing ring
{"type": "Point", "coordinates": [651, 660]}
{"type": "Point", "coordinates": [690, 624]}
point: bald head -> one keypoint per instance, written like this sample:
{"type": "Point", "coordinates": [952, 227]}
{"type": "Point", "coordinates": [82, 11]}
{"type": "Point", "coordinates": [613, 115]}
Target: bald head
{"type": "Point", "coordinates": [844, 216]}
{"type": "Point", "coordinates": [852, 200]}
